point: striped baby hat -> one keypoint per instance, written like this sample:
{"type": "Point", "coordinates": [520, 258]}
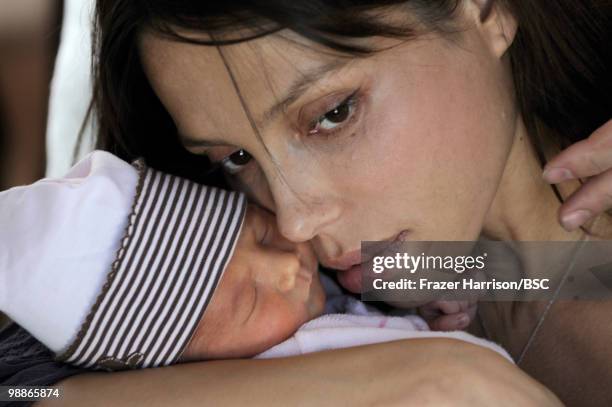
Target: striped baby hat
{"type": "Point", "coordinates": [178, 241]}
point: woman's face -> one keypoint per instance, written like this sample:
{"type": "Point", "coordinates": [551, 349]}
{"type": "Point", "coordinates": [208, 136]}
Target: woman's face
{"type": "Point", "coordinates": [409, 143]}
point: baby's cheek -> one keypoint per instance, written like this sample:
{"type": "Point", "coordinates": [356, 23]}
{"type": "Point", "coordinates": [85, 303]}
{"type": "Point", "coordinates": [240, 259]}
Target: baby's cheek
{"type": "Point", "coordinates": [278, 322]}
{"type": "Point", "coordinates": [273, 320]}
{"type": "Point", "coordinates": [316, 301]}
{"type": "Point", "coordinates": [200, 347]}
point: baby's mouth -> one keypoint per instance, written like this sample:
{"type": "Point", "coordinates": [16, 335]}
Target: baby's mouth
{"type": "Point", "coordinates": [305, 274]}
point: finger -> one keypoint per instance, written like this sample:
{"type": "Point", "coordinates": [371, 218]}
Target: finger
{"type": "Point", "coordinates": [464, 305]}
{"type": "Point", "coordinates": [450, 307]}
{"type": "Point", "coordinates": [593, 198]}
{"type": "Point", "coordinates": [450, 322]}
{"type": "Point", "coordinates": [583, 159]}
{"type": "Point", "coordinates": [471, 311]}
{"type": "Point", "coordinates": [435, 309]}
{"type": "Point", "coordinates": [429, 311]}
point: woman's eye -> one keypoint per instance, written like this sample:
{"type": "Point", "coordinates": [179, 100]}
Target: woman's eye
{"type": "Point", "coordinates": [335, 117]}
{"type": "Point", "coordinates": [236, 161]}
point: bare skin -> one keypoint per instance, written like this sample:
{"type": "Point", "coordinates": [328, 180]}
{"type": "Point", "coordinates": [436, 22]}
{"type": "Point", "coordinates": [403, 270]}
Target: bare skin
{"type": "Point", "coordinates": [589, 159]}
{"type": "Point", "coordinates": [402, 373]}
{"type": "Point", "coordinates": [414, 115]}
{"type": "Point", "coordinates": [268, 290]}
{"type": "Point", "coordinates": [571, 350]}
{"type": "Point", "coordinates": [86, 387]}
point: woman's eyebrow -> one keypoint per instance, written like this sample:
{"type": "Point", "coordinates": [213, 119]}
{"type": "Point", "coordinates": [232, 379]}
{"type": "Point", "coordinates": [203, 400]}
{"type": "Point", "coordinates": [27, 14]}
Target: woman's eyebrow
{"type": "Point", "coordinates": [300, 85]}
{"type": "Point", "coordinates": [296, 90]}
{"type": "Point", "coordinates": [196, 142]}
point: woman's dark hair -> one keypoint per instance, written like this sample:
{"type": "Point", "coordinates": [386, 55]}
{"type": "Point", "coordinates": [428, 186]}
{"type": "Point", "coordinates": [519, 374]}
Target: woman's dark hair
{"type": "Point", "coordinates": [560, 59]}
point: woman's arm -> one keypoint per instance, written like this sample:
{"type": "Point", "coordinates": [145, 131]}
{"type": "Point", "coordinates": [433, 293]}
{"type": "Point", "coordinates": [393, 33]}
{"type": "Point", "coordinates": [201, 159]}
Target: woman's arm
{"type": "Point", "coordinates": [411, 372]}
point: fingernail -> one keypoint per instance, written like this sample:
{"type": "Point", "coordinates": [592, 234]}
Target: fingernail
{"type": "Point", "coordinates": [463, 321]}
{"type": "Point", "coordinates": [575, 219]}
{"type": "Point", "coordinates": [556, 175]}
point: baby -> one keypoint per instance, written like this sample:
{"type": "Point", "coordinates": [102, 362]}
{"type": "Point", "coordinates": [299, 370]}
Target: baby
{"type": "Point", "coordinates": [273, 302]}
{"type": "Point", "coordinates": [120, 266]}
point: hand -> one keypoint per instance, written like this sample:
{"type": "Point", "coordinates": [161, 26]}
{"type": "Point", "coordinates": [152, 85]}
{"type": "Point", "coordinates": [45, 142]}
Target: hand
{"type": "Point", "coordinates": [590, 158]}
{"type": "Point", "coordinates": [448, 315]}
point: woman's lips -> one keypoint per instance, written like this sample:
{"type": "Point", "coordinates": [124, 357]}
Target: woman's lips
{"type": "Point", "coordinates": [349, 266]}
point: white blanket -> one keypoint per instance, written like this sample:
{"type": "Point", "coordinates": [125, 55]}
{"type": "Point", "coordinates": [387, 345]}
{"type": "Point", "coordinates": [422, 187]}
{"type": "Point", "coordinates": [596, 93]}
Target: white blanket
{"type": "Point", "coordinates": [350, 322]}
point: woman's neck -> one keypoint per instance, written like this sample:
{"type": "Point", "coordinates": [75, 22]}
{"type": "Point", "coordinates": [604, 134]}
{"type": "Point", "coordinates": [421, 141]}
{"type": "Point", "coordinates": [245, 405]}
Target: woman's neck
{"type": "Point", "coordinates": [525, 207]}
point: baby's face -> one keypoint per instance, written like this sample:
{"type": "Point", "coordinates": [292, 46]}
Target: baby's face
{"type": "Point", "coordinates": [267, 291]}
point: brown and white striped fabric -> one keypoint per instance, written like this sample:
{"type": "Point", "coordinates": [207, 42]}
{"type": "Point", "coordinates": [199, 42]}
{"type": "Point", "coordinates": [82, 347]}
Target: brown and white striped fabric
{"type": "Point", "coordinates": [179, 239]}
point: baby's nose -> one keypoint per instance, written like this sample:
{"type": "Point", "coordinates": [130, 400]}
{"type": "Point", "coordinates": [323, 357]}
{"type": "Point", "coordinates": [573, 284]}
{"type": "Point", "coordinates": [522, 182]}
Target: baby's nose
{"type": "Point", "coordinates": [278, 269]}
{"type": "Point", "coordinates": [287, 260]}
{"type": "Point", "coordinates": [289, 266]}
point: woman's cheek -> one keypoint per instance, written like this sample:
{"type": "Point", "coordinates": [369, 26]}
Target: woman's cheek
{"type": "Point", "coordinates": [390, 157]}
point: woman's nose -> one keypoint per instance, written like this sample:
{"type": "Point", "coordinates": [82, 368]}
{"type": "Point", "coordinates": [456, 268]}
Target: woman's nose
{"type": "Point", "coordinates": [302, 218]}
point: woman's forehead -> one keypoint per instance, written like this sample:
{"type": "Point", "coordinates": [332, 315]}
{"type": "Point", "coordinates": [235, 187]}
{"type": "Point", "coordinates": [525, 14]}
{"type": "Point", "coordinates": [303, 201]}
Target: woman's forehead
{"type": "Point", "coordinates": [197, 84]}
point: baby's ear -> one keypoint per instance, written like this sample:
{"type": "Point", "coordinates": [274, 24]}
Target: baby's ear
{"type": "Point", "coordinates": [497, 25]}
